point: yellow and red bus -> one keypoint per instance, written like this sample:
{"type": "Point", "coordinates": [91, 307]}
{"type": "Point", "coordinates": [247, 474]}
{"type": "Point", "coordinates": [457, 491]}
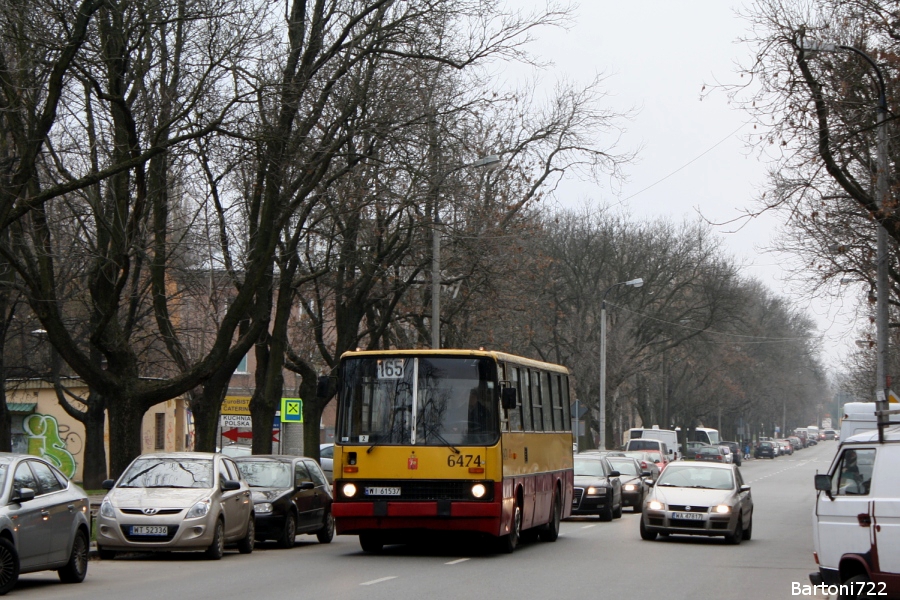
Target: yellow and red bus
{"type": "Point", "coordinates": [451, 440]}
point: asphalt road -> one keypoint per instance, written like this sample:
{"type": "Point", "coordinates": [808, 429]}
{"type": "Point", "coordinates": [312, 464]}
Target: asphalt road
{"type": "Point", "coordinates": [591, 559]}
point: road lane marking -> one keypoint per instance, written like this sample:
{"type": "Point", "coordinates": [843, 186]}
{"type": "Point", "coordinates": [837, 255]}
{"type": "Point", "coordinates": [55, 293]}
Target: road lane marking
{"type": "Point", "coordinates": [374, 581]}
{"type": "Point", "coordinates": [456, 562]}
{"type": "Point", "coordinates": [589, 526]}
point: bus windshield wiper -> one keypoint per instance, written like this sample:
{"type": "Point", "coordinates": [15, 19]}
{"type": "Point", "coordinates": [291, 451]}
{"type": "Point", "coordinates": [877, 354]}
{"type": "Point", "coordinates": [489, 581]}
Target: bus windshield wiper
{"type": "Point", "coordinates": [441, 439]}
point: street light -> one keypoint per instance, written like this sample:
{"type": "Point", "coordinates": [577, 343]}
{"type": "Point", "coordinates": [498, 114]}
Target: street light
{"type": "Point", "coordinates": [491, 161]}
{"type": "Point", "coordinates": [882, 288]}
{"type": "Point", "coordinates": [634, 283]}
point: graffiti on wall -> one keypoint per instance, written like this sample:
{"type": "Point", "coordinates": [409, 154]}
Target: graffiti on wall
{"type": "Point", "coordinates": [45, 439]}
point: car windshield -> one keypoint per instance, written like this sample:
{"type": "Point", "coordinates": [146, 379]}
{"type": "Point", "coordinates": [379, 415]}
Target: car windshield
{"type": "Point", "coordinates": [643, 445]}
{"type": "Point", "coordinates": [625, 467]}
{"type": "Point", "coordinates": [696, 477]}
{"type": "Point", "coordinates": [589, 468]}
{"type": "Point", "coordinates": [266, 473]}
{"type": "Point", "coordinates": [168, 473]}
{"type": "Point", "coordinates": [455, 401]}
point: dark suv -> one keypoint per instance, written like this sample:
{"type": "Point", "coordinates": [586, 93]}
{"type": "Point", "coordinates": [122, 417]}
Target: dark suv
{"type": "Point", "coordinates": [764, 449]}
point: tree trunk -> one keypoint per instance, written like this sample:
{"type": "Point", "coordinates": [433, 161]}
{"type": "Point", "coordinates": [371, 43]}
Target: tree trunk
{"type": "Point", "coordinates": [125, 418]}
{"type": "Point", "coordinates": [94, 470]}
{"type": "Point", "coordinates": [205, 409]}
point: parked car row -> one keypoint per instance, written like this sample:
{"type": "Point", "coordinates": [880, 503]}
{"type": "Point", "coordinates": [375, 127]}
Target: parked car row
{"type": "Point", "coordinates": [203, 502]}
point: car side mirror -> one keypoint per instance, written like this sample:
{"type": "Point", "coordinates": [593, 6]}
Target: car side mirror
{"type": "Point", "coordinates": [614, 473]}
{"type": "Point", "coordinates": [24, 495]}
{"type": "Point", "coordinates": [745, 488]}
{"type": "Point", "coordinates": [646, 473]}
{"type": "Point", "coordinates": [108, 484]}
{"type": "Point", "coordinates": [230, 485]}
{"type": "Point", "coordinates": [823, 482]}
{"type": "Point", "coordinates": [306, 485]}
{"type": "Point", "coordinates": [508, 398]}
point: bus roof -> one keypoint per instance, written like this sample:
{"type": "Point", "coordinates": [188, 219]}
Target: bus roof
{"type": "Point", "coordinates": [497, 356]}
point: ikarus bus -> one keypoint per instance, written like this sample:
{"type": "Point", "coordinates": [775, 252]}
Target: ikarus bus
{"type": "Point", "coordinates": [451, 440]}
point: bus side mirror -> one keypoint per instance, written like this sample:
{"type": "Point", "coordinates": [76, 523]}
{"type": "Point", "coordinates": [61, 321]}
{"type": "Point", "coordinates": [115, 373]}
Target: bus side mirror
{"type": "Point", "coordinates": [322, 386]}
{"type": "Point", "coordinates": [508, 398]}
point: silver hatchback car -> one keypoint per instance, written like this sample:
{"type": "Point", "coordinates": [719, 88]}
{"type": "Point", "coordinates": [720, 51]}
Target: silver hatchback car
{"type": "Point", "coordinates": [177, 501]}
{"type": "Point", "coordinates": [44, 521]}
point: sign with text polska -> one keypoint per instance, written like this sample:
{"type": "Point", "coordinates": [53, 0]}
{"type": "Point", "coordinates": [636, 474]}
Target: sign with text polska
{"type": "Point", "coordinates": [236, 421]}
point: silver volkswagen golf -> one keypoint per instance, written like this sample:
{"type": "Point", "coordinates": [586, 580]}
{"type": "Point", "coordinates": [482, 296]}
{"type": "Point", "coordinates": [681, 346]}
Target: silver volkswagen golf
{"type": "Point", "coordinates": [176, 501]}
{"type": "Point", "coordinates": [44, 521]}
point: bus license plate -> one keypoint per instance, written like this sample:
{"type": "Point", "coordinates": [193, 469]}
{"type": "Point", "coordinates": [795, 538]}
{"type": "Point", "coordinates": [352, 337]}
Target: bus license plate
{"type": "Point", "coordinates": [149, 530]}
{"type": "Point", "coordinates": [687, 516]}
{"type": "Point", "coordinates": [382, 491]}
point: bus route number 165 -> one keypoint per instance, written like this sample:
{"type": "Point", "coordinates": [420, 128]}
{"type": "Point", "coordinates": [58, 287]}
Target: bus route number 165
{"type": "Point", "coordinates": [390, 368]}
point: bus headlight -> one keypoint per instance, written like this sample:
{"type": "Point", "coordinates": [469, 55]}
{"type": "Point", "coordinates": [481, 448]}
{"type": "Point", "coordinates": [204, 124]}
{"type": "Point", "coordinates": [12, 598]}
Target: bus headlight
{"type": "Point", "coordinates": [349, 490]}
{"type": "Point", "coordinates": [478, 490]}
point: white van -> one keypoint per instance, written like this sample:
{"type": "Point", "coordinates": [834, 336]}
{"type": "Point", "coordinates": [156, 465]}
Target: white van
{"type": "Point", "coordinates": [856, 533]}
{"type": "Point", "coordinates": [669, 437]}
{"type": "Point", "coordinates": [857, 418]}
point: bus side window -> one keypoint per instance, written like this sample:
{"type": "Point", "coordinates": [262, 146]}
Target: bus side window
{"type": "Point", "coordinates": [525, 394]}
{"type": "Point", "coordinates": [567, 406]}
{"type": "Point", "coordinates": [537, 405]}
{"type": "Point", "coordinates": [559, 417]}
{"type": "Point", "coordinates": [514, 416]}
{"type": "Point", "coordinates": [547, 402]}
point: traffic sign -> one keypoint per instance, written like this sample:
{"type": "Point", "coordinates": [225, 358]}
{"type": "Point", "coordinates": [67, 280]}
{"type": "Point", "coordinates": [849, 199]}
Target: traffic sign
{"type": "Point", "coordinates": [236, 405]}
{"type": "Point", "coordinates": [236, 421]}
{"type": "Point", "coordinates": [291, 410]}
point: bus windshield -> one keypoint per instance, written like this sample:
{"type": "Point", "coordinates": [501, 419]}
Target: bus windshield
{"type": "Point", "coordinates": [428, 401]}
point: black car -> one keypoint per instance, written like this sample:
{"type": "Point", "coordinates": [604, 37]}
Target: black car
{"type": "Point", "coordinates": [735, 450]}
{"type": "Point", "coordinates": [635, 482]}
{"type": "Point", "coordinates": [764, 450]}
{"type": "Point", "coordinates": [598, 490]}
{"type": "Point", "coordinates": [290, 496]}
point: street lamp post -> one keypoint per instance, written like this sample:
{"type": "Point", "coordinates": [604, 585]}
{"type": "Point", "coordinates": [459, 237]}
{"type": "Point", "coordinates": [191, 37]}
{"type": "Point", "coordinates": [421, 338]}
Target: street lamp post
{"type": "Point", "coordinates": [882, 381]}
{"type": "Point", "coordinates": [602, 425]}
{"type": "Point", "coordinates": [491, 161]}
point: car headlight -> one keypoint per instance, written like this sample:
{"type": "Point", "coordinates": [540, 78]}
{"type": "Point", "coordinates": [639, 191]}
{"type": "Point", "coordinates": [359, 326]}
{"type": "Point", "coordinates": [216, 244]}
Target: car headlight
{"type": "Point", "coordinates": [723, 509]}
{"type": "Point", "coordinates": [629, 487]}
{"type": "Point", "coordinates": [201, 509]}
{"type": "Point", "coordinates": [478, 490]}
{"type": "Point", "coordinates": [106, 509]}
{"type": "Point", "coordinates": [655, 505]}
{"type": "Point", "coordinates": [349, 490]}
{"type": "Point", "coordinates": [596, 491]}
{"type": "Point", "coordinates": [263, 508]}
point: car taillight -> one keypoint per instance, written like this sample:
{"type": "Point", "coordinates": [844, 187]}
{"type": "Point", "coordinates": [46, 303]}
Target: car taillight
{"type": "Point", "coordinates": [697, 457]}
{"type": "Point", "coordinates": [643, 464]}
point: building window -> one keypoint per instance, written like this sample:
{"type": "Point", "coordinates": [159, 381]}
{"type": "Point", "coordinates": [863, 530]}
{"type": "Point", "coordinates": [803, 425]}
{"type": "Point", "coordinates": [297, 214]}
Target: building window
{"type": "Point", "coordinates": [242, 366]}
{"type": "Point", "coordinates": [160, 431]}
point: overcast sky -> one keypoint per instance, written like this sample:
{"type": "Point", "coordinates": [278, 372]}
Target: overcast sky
{"type": "Point", "coordinates": [658, 54]}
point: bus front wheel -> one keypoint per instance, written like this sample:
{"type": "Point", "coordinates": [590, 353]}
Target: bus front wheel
{"type": "Point", "coordinates": [510, 541]}
{"type": "Point", "coordinates": [371, 542]}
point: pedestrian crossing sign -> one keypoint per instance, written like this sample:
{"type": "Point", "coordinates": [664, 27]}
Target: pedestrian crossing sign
{"type": "Point", "coordinates": [291, 410]}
